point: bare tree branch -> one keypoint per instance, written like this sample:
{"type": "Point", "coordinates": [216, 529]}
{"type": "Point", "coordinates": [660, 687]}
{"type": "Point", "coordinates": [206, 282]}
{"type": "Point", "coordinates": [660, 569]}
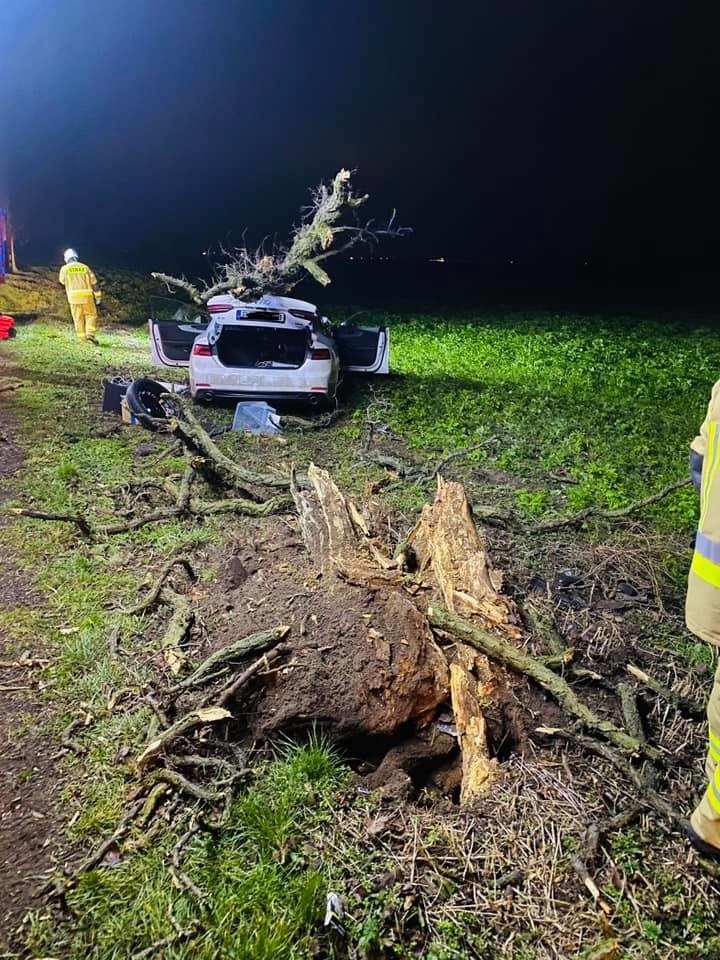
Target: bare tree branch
{"type": "Point", "coordinates": [275, 268]}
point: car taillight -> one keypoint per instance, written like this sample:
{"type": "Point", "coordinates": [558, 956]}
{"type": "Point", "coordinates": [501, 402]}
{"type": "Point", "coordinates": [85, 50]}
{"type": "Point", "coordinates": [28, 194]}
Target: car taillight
{"type": "Point", "coordinates": [201, 350]}
{"type": "Point", "coordinates": [320, 353]}
{"type": "Point", "coordinates": [302, 314]}
{"type": "Point", "coordinates": [219, 307]}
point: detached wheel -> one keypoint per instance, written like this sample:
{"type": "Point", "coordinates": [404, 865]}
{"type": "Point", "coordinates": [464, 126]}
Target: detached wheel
{"type": "Point", "coordinates": [145, 401]}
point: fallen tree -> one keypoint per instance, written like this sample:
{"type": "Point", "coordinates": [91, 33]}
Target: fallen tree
{"type": "Point", "coordinates": [329, 226]}
{"type": "Point", "coordinates": [377, 644]}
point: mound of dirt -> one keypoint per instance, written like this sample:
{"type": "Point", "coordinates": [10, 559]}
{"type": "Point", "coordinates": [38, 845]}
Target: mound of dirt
{"type": "Point", "coordinates": [363, 660]}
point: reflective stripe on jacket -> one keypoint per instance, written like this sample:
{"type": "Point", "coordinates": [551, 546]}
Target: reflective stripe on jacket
{"type": "Point", "coordinates": [79, 282]}
{"type": "Point", "coordinates": [702, 607]}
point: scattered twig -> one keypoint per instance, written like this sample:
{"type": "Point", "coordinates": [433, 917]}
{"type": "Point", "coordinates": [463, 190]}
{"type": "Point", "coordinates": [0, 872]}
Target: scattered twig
{"type": "Point", "coordinates": [646, 795]}
{"type": "Point", "coordinates": [152, 596]}
{"type": "Point", "coordinates": [545, 525]}
{"type": "Point", "coordinates": [67, 741]}
{"type": "Point", "coordinates": [440, 466]}
{"type": "Point", "coordinates": [99, 852]}
{"type": "Point", "coordinates": [687, 706]}
{"type": "Point", "coordinates": [581, 870]}
{"type": "Point", "coordinates": [180, 877]}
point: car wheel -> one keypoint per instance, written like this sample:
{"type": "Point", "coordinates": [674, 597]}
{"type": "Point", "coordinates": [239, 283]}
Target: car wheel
{"type": "Point", "coordinates": [145, 401]}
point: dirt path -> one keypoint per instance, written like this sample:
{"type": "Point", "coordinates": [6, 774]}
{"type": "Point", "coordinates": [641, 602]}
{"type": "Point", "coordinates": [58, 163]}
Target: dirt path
{"type": "Point", "coordinates": [30, 813]}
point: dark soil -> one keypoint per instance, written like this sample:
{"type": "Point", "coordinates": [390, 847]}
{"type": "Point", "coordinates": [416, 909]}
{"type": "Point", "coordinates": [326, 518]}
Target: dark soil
{"type": "Point", "coordinates": [363, 666]}
{"type": "Point", "coordinates": [30, 816]}
{"type": "Point", "coordinates": [363, 660]}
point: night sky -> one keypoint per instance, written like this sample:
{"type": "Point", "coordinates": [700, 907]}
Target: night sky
{"type": "Point", "coordinates": [142, 131]}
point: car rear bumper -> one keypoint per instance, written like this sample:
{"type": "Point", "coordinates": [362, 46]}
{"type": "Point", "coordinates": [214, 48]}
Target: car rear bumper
{"type": "Point", "coordinates": [208, 393]}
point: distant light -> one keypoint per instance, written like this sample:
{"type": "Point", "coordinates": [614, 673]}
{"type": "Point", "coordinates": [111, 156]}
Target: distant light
{"type": "Point", "coordinates": [512, 261]}
{"type": "Point", "coordinates": [437, 260]}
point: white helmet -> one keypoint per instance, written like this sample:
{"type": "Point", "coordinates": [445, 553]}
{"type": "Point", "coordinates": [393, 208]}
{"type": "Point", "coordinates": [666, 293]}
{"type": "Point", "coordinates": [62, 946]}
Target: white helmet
{"type": "Point", "coordinates": [70, 255]}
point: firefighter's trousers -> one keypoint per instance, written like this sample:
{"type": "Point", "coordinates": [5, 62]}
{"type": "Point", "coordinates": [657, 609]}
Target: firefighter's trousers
{"type": "Point", "coordinates": [84, 314]}
{"type": "Point", "coordinates": [706, 817]}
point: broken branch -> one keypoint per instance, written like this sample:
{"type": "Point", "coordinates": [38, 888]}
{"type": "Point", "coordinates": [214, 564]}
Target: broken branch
{"type": "Point", "coordinates": [497, 649]}
{"type": "Point", "coordinates": [217, 466]}
{"type": "Point", "coordinates": [237, 650]}
{"type": "Point", "coordinates": [687, 706]}
{"type": "Point", "coordinates": [154, 593]}
{"type": "Point", "coordinates": [588, 512]}
{"type": "Point", "coordinates": [80, 522]}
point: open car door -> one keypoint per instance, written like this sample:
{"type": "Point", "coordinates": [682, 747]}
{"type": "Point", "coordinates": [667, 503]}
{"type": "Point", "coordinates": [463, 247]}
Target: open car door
{"type": "Point", "coordinates": [174, 330]}
{"type": "Point", "coordinates": [363, 349]}
{"type": "Point", "coordinates": [171, 343]}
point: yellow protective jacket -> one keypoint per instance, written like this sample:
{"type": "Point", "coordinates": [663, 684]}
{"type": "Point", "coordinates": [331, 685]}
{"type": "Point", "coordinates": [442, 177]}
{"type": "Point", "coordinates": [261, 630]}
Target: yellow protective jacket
{"type": "Point", "coordinates": [702, 606]}
{"type": "Point", "coordinates": [79, 282]}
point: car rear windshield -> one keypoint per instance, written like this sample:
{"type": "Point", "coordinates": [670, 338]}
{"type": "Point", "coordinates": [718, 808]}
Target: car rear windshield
{"type": "Point", "coordinates": [241, 346]}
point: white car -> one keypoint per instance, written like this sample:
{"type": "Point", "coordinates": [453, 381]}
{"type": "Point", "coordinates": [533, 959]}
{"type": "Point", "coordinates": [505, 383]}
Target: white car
{"type": "Point", "coordinates": [278, 348]}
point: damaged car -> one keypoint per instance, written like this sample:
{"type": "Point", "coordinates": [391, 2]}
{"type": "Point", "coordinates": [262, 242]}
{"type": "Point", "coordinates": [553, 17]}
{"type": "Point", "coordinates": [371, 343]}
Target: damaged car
{"type": "Point", "coordinates": [277, 348]}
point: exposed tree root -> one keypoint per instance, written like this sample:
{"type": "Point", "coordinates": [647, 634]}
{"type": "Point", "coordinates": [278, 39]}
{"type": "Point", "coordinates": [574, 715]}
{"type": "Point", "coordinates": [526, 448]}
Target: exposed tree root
{"type": "Point", "coordinates": [191, 721]}
{"type": "Point", "coordinates": [154, 593]}
{"type": "Point", "coordinates": [502, 651]}
{"type": "Point", "coordinates": [181, 783]}
{"type": "Point", "coordinates": [238, 650]}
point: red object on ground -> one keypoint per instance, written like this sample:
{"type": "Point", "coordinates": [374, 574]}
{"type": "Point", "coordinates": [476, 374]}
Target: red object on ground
{"type": "Point", "coordinates": [7, 327]}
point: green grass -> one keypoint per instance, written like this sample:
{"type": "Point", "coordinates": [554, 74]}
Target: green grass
{"type": "Point", "coordinates": [267, 894]}
{"type": "Point", "coordinates": [613, 402]}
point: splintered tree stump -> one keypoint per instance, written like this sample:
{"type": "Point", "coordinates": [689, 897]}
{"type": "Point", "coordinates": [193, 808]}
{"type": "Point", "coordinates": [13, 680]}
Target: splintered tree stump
{"type": "Point", "coordinates": [336, 535]}
{"type": "Point", "coordinates": [453, 559]}
{"type": "Point", "coordinates": [394, 673]}
{"type": "Point", "coordinates": [452, 553]}
{"type": "Point", "coordinates": [468, 695]}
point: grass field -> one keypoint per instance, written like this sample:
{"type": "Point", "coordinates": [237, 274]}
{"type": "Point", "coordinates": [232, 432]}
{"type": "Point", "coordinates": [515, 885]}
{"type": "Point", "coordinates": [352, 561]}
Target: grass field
{"type": "Point", "coordinates": [574, 411]}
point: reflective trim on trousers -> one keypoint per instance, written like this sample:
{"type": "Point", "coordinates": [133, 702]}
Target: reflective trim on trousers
{"type": "Point", "coordinates": [707, 547]}
{"type": "Point", "coordinates": [714, 746]}
{"type": "Point", "coordinates": [706, 570]}
{"type": "Point", "coordinates": [713, 793]}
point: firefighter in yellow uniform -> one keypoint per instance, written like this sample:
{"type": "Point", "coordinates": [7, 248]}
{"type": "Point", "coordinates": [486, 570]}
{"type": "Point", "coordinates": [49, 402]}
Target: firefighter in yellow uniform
{"type": "Point", "coordinates": [702, 613]}
{"type": "Point", "coordinates": [83, 295]}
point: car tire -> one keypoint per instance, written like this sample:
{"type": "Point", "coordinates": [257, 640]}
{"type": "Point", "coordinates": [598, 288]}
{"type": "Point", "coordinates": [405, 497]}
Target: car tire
{"type": "Point", "coordinates": [145, 401]}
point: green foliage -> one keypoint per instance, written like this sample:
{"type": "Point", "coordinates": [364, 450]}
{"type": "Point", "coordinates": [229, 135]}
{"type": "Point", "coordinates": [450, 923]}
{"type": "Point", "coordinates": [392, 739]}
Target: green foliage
{"type": "Point", "coordinates": [608, 402]}
{"type": "Point", "coordinates": [613, 401]}
{"type": "Point", "coordinates": [267, 898]}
